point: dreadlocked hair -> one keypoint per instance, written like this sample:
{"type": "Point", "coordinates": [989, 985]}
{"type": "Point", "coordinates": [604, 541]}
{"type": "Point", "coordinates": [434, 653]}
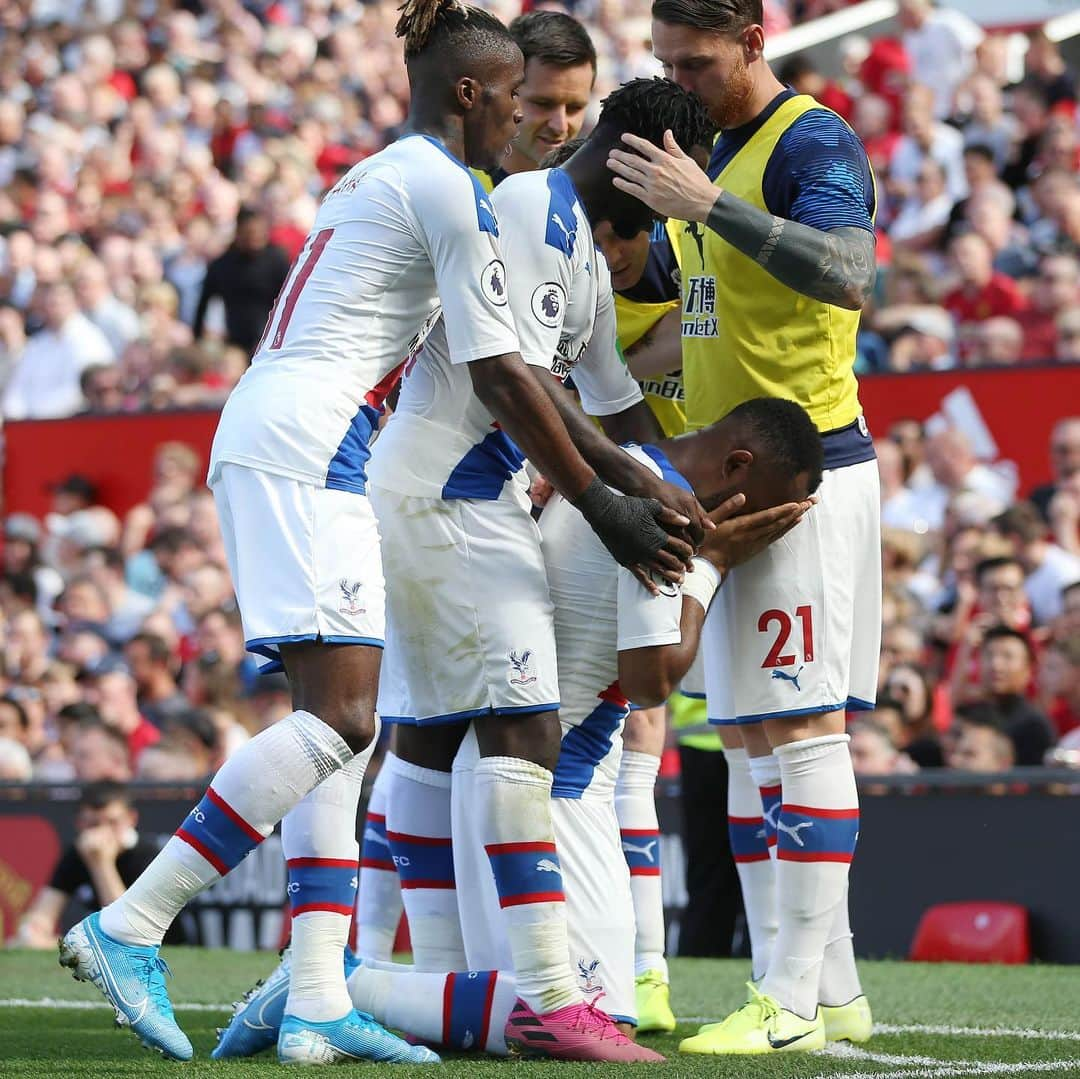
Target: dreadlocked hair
{"type": "Point", "coordinates": [426, 23]}
{"type": "Point", "coordinates": [649, 107]}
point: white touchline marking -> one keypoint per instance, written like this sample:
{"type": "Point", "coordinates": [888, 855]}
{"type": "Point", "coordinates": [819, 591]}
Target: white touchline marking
{"type": "Point", "coordinates": [952, 1031]}
{"type": "Point", "coordinates": [946, 1069]}
{"type": "Point", "coordinates": [977, 1032]}
{"type": "Point", "coordinates": [91, 1005]}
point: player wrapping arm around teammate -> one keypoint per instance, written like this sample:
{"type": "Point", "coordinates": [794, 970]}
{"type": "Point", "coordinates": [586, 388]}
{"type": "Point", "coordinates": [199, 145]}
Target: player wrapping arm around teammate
{"type": "Point", "coordinates": [614, 640]}
{"type": "Point", "coordinates": [777, 259]}
{"type": "Point", "coordinates": [401, 233]}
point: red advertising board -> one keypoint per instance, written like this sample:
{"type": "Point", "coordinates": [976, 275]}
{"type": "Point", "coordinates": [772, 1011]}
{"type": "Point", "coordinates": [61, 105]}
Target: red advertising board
{"type": "Point", "coordinates": [1018, 407]}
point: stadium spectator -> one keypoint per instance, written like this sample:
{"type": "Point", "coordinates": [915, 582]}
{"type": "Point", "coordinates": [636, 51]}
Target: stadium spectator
{"type": "Point", "coordinates": [127, 608]}
{"type": "Point", "coordinates": [941, 43]}
{"type": "Point", "coordinates": [98, 753]}
{"type": "Point", "coordinates": [1055, 297]}
{"type": "Point", "coordinates": [151, 663]}
{"type": "Point", "coordinates": [247, 279]}
{"type": "Point", "coordinates": [924, 213]}
{"type": "Point", "coordinates": [1068, 336]}
{"type": "Point", "coordinates": [997, 342]}
{"type": "Point", "coordinates": [14, 722]}
{"type": "Point", "coordinates": [45, 380]}
{"type": "Point", "coordinates": [926, 139]}
{"type": "Point", "coordinates": [957, 472]}
{"type": "Point", "coordinates": [107, 855]}
{"type": "Point", "coordinates": [1064, 463]}
{"type": "Point", "coordinates": [15, 763]}
{"type": "Point", "coordinates": [102, 389]}
{"type": "Point", "coordinates": [111, 689]}
{"type": "Point", "coordinates": [873, 754]}
{"type": "Point", "coordinates": [116, 320]}
{"type": "Point", "coordinates": [979, 746]}
{"type": "Point", "coordinates": [982, 292]}
{"type": "Point", "coordinates": [1049, 569]}
{"type": "Point", "coordinates": [21, 555]}
{"type": "Point", "coordinates": [1008, 667]}
{"type": "Point", "coordinates": [1059, 683]}
{"type": "Point", "coordinates": [908, 686]}
{"type": "Point", "coordinates": [988, 126]}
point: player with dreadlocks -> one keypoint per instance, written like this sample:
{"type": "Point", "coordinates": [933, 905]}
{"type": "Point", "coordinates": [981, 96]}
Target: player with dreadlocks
{"type": "Point", "coordinates": [404, 234]}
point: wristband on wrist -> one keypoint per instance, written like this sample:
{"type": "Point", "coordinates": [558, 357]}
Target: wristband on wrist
{"type": "Point", "coordinates": [703, 582]}
{"type": "Point", "coordinates": [594, 498]}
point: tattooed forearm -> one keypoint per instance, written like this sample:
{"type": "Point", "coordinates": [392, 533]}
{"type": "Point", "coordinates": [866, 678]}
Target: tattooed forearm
{"type": "Point", "coordinates": [835, 267]}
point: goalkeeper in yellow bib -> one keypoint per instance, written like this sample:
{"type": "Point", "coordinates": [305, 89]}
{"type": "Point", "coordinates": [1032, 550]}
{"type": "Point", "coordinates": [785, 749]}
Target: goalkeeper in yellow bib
{"type": "Point", "coordinates": [777, 260]}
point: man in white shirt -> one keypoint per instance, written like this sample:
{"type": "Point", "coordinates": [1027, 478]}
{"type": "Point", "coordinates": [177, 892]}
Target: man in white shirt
{"type": "Point", "coordinates": [1048, 567]}
{"type": "Point", "coordinates": [941, 43]}
{"type": "Point", "coordinates": [112, 316]}
{"type": "Point", "coordinates": [45, 381]}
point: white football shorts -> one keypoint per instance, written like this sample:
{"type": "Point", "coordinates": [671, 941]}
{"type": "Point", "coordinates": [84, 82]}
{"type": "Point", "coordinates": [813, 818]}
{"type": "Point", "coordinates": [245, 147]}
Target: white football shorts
{"type": "Point", "coordinates": [470, 628]}
{"type": "Point", "coordinates": [797, 630]}
{"type": "Point", "coordinates": [304, 561]}
{"type": "Point", "coordinates": [599, 906]}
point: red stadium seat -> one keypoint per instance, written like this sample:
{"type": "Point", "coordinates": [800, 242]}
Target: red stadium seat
{"type": "Point", "coordinates": [972, 933]}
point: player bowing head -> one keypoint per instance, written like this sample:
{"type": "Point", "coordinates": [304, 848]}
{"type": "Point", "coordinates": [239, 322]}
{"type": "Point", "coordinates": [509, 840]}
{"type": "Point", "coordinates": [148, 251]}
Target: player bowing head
{"type": "Point", "coordinates": [643, 107]}
{"type": "Point", "coordinates": [465, 70]}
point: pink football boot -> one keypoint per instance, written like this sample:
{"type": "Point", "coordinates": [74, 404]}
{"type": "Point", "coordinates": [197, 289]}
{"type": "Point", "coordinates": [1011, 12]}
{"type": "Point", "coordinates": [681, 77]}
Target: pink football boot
{"type": "Point", "coordinates": [577, 1032]}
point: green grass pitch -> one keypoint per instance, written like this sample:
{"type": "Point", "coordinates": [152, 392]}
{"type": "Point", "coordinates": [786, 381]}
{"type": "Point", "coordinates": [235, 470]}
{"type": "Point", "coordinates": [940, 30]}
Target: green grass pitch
{"type": "Point", "coordinates": [935, 1021]}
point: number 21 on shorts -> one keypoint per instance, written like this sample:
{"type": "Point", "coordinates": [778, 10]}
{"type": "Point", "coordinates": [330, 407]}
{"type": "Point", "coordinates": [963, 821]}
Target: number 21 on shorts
{"type": "Point", "coordinates": [778, 655]}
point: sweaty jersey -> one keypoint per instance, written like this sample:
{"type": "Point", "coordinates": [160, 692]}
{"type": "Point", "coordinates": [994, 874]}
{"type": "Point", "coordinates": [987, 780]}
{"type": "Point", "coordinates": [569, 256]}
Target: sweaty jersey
{"type": "Point", "coordinates": [400, 233]}
{"type": "Point", "coordinates": [745, 334]}
{"type": "Point", "coordinates": [601, 609]}
{"type": "Point", "coordinates": [638, 309]}
{"type": "Point", "coordinates": [442, 441]}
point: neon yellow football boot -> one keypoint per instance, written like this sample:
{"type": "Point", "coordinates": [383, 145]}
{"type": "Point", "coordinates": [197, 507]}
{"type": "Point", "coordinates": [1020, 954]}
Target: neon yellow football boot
{"type": "Point", "coordinates": [760, 1026]}
{"type": "Point", "coordinates": [851, 1022]}
{"type": "Point", "coordinates": [653, 996]}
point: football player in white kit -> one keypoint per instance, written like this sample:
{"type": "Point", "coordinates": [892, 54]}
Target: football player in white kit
{"type": "Point", "coordinates": [615, 641]}
{"type": "Point", "coordinates": [401, 232]}
{"type": "Point", "coordinates": [469, 620]}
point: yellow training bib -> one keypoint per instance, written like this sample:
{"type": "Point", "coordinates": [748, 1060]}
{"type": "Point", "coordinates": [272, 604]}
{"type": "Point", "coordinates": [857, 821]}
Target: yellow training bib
{"type": "Point", "coordinates": [746, 335]}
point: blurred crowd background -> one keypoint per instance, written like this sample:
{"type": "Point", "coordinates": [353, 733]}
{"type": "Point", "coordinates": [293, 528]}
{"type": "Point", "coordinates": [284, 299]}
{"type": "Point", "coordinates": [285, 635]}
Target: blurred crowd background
{"type": "Point", "coordinates": [160, 165]}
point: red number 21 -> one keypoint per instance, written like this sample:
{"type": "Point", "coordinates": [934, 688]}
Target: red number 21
{"type": "Point", "coordinates": [805, 615]}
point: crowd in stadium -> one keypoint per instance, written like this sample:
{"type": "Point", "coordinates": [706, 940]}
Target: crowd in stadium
{"type": "Point", "coordinates": [160, 167]}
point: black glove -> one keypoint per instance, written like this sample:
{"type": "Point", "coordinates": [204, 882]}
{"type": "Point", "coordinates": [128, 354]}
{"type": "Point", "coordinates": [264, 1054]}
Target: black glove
{"type": "Point", "coordinates": [625, 525]}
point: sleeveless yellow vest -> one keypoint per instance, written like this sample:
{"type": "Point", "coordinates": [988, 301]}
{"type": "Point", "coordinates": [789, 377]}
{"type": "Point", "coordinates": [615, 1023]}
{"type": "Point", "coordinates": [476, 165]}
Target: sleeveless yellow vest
{"type": "Point", "coordinates": [745, 334]}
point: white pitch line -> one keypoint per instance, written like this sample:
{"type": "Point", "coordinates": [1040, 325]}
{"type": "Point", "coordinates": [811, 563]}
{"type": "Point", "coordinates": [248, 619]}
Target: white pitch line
{"type": "Point", "coordinates": [978, 1032]}
{"type": "Point", "coordinates": [92, 1005]}
{"type": "Point", "coordinates": [946, 1069]}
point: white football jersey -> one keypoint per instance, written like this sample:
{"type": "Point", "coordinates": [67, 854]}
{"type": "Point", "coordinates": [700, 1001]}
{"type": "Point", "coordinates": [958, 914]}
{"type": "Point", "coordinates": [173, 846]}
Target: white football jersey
{"type": "Point", "coordinates": [601, 609]}
{"type": "Point", "coordinates": [403, 232]}
{"type": "Point", "coordinates": [442, 441]}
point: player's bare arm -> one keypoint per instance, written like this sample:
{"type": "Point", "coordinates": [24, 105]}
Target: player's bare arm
{"type": "Point", "coordinates": [638, 423]}
{"type": "Point", "coordinates": [658, 351]}
{"type": "Point", "coordinates": [633, 532]}
{"type": "Point", "coordinates": [835, 267]}
{"type": "Point", "coordinates": [619, 470]}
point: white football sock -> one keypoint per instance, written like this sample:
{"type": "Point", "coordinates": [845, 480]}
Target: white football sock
{"type": "Point", "coordinates": [418, 828]}
{"type": "Point", "coordinates": [318, 838]}
{"type": "Point", "coordinates": [513, 806]}
{"type": "Point", "coordinates": [839, 975]}
{"type": "Point", "coordinates": [635, 805]}
{"type": "Point", "coordinates": [757, 879]}
{"type": "Point", "coordinates": [465, 1010]}
{"type": "Point", "coordinates": [251, 792]}
{"type": "Point", "coordinates": [817, 829]}
{"type": "Point", "coordinates": [378, 899]}
{"type": "Point", "coordinates": [766, 773]}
